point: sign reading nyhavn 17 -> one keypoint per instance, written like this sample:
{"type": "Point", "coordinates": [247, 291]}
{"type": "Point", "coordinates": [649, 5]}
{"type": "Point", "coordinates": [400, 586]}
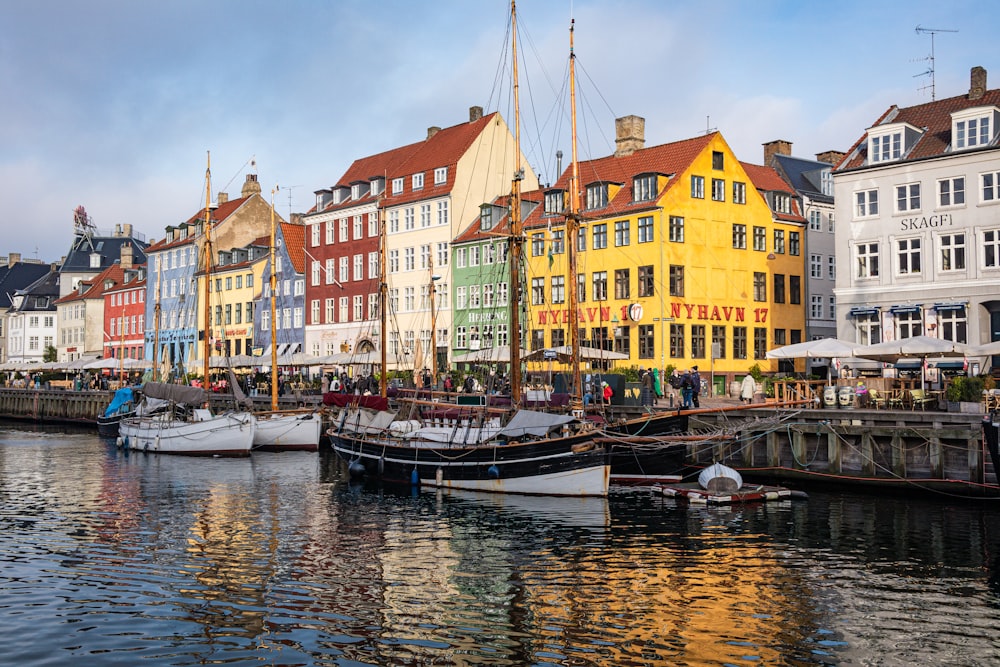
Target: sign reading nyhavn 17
{"type": "Point", "coordinates": [678, 311]}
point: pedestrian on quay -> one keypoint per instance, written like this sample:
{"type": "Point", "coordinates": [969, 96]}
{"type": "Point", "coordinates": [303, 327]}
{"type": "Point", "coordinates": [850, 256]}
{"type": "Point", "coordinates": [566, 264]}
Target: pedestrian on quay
{"type": "Point", "coordinates": [686, 390]}
{"type": "Point", "coordinates": [695, 386]}
{"type": "Point", "coordinates": [747, 389]}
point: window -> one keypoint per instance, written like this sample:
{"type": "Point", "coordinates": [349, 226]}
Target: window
{"type": "Point", "coordinates": [645, 229]}
{"type": "Point", "coordinates": [622, 283]}
{"type": "Point", "coordinates": [793, 243]}
{"type": "Point", "coordinates": [373, 265]}
{"type": "Point", "coordinates": [954, 325]}
{"type": "Point", "coordinates": [343, 230]}
{"type": "Point", "coordinates": [739, 192]}
{"type": "Point", "coordinates": [646, 282]}
{"type": "Point", "coordinates": [831, 267]}
{"type": "Point", "coordinates": [537, 291]}
{"type": "Point", "coordinates": [359, 227]}
{"type": "Point", "coordinates": [991, 249]}
{"type": "Point", "coordinates": [460, 258]}
{"type": "Point", "coordinates": [795, 289]}
{"type": "Point", "coordinates": [397, 186]}
{"type": "Point", "coordinates": [991, 186]}
{"type": "Point", "coordinates": [909, 256]}
{"type": "Point", "coordinates": [359, 307]}
{"type": "Point", "coordinates": [460, 301]}
{"type": "Point", "coordinates": [425, 256]}
{"type": "Point", "coordinates": [953, 252]}
{"type": "Point", "coordinates": [815, 266]}
{"type": "Point", "coordinates": [442, 212]}
{"type": "Point", "coordinates": [393, 221]}
{"type": "Point", "coordinates": [537, 339]}
{"type": "Point", "coordinates": [759, 342]}
{"type": "Point", "coordinates": [718, 341]}
{"type": "Point", "coordinates": [698, 341]}
{"type": "Point", "coordinates": [972, 132]}
{"type": "Point", "coordinates": [621, 233]}
{"type": "Point", "coordinates": [697, 187]}
{"type": "Point", "coordinates": [867, 203]}
{"type": "Point", "coordinates": [359, 267]}
{"type": "Point", "coordinates": [440, 175]}
{"type": "Point", "coordinates": [646, 341]}
{"type": "Point", "coordinates": [759, 286]}
{"type": "Point", "coordinates": [677, 341]}
{"type": "Point", "coordinates": [442, 254]}
{"type": "Point", "coordinates": [554, 202]}
{"type": "Point", "coordinates": [558, 337]}
{"type": "Point", "coordinates": [409, 259]}
{"type": "Point", "coordinates": [558, 289]}
{"type": "Point", "coordinates": [597, 196]}
{"type": "Point", "coordinates": [908, 197]}
{"type": "Point", "coordinates": [760, 239]}
{"type": "Point", "coordinates": [951, 191]}
{"type": "Point", "coordinates": [887, 147]}
{"type": "Point", "coordinates": [344, 270]}
{"type": "Point", "coordinates": [581, 287]}
{"type": "Point", "coordinates": [581, 240]}
{"type": "Point", "coordinates": [779, 337]}
{"type": "Point", "coordinates": [908, 324]}
{"type": "Point", "coordinates": [833, 308]}
{"type": "Point", "coordinates": [869, 328]}
{"type": "Point", "coordinates": [314, 235]}
{"type": "Point", "coordinates": [779, 288]}
{"type": "Point", "coordinates": [600, 285]}
{"type": "Point", "coordinates": [740, 237]}
{"type": "Point", "coordinates": [474, 301]}
{"type": "Point", "coordinates": [418, 181]}
{"type": "Point", "coordinates": [816, 306]}
{"type": "Point", "coordinates": [782, 202]}
{"type": "Point", "coordinates": [676, 230]}
{"type": "Point", "coordinates": [779, 241]}
{"type": "Point", "coordinates": [676, 280]}
{"type": "Point", "coordinates": [328, 305]}
{"type": "Point", "coordinates": [558, 242]}
{"type": "Point", "coordinates": [815, 220]}
{"type": "Point", "coordinates": [644, 187]}
{"type": "Point", "coordinates": [718, 189]}
{"type": "Point", "coordinates": [408, 218]}
{"type": "Point", "coordinates": [600, 236]}
{"type": "Point", "coordinates": [622, 343]}
{"type": "Point", "coordinates": [538, 244]}
{"type": "Point", "coordinates": [739, 342]}
{"type": "Point", "coordinates": [867, 254]}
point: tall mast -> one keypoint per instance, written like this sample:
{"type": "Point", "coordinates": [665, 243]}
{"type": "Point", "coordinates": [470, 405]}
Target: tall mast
{"type": "Point", "coordinates": [208, 270]}
{"type": "Point", "coordinates": [383, 303]}
{"type": "Point", "coordinates": [156, 323]}
{"type": "Point", "coordinates": [516, 242]}
{"type": "Point", "coordinates": [433, 291]}
{"type": "Point", "coordinates": [572, 229]}
{"type": "Point", "coordinates": [274, 311]}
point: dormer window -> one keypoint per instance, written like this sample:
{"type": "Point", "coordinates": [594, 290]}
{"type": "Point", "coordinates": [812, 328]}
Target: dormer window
{"type": "Point", "coordinates": [356, 191]}
{"type": "Point", "coordinates": [826, 182]}
{"type": "Point", "coordinates": [972, 128]}
{"type": "Point", "coordinates": [644, 187]}
{"type": "Point", "coordinates": [554, 202]}
{"type": "Point", "coordinates": [337, 195]}
{"type": "Point", "coordinates": [418, 181]}
{"type": "Point", "coordinates": [597, 196]}
{"type": "Point", "coordinates": [377, 186]}
{"type": "Point", "coordinates": [887, 143]}
{"type": "Point", "coordinates": [95, 260]}
{"type": "Point", "coordinates": [486, 217]}
{"type": "Point", "coordinates": [440, 175]}
{"type": "Point", "coordinates": [782, 202]}
{"type": "Point", "coordinates": [397, 186]}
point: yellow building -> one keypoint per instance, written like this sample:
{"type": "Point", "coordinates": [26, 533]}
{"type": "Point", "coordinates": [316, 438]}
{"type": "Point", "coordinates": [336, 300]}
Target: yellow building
{"type": "Point", "coordinates": [686, 256]}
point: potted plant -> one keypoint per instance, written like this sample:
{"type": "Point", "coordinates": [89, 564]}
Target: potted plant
{"type": "Point", "coordinates": [965, 394]}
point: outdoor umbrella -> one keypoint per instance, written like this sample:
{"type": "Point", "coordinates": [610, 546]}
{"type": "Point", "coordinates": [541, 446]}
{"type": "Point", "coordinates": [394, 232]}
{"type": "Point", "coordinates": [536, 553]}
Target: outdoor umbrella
{"type": "Point", "coordinates": [564, 354]}
{"type": "Point", "coordinates": [824, 348]}
{"type": "Point", "coordinates": [915, 346]}
{"type": "Point", "coordinates": [500, 353]}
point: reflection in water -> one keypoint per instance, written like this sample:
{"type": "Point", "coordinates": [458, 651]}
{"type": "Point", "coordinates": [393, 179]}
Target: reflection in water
{"type": "Point", "coordinates": [127, 558]}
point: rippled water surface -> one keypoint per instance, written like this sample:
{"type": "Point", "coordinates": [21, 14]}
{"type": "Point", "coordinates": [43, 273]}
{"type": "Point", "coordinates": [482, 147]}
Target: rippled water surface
{"type": "Point", "coordinates": [114, 558]}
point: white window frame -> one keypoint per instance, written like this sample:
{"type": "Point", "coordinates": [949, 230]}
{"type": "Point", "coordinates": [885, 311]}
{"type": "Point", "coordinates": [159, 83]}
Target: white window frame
{"type": "Point", "coordinates": [866, 203]}
{"type": "Point", "coordinates": [908, 198]}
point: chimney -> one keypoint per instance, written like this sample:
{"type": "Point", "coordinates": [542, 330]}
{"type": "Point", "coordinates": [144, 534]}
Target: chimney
{"type": "Point", "coordinates": [250, 187]}
{"type": "Point", "coordinates": [432, 130]}
{"type": "Point", "coordinates": [13, 258]}
{"type": "Point", "coordinates": [559, 155]}
{"type": "Point", "coordinates": [776, 147]}
{"type": "Point", "coordinates": [977, 83]}
{"type": "Point", "coordinates": [830, 157]}
{"type": "Point", "coordinates": [630, 135]}
{"type": "Point", "coordinates": [127, 230]}
{"type": "Point", "coordinates": [126, 256]}
{"type": "Point", "coordinates": [222, 198]}
{"type": "Point", "coordinates": [118, 230]}
{"type": "Point", "coordinates": [475, 113]}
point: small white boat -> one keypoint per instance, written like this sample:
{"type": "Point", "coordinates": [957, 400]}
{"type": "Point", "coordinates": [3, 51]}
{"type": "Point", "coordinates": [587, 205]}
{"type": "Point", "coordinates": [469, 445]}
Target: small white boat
{"type": "Point", "coordinates": [288, 431]}
{"type": "Point", "coordinates": [720, 479]}
{"type": "Point", "coordinates": [186, 429]}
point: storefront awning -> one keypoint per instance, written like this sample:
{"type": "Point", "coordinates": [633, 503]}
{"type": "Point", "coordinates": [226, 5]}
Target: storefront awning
{"type": "Point", "coordinates": [904, 309]}
{"type": "Point", "coordinates": [860, 311]}
{"type": "Point", "coordinates": [959, 305]}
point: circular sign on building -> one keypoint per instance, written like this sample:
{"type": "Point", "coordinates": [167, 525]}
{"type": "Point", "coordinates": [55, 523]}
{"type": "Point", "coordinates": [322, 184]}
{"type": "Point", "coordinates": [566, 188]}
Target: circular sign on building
{"type": "Point", "coordinates": [635, 312]}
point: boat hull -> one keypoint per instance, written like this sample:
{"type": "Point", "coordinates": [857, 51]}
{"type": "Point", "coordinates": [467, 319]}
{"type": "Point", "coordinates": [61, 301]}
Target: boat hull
{"type": "Point", "coordinates": [107, 427]}
{"type": "Point", "coordinates": [288, 432]}
{"type": "Point", "coordinates": [570, 466]}
{"type": "Point", "coordinates": [228, 434]}
{"type": "Point", "coordinates": [647, 463]}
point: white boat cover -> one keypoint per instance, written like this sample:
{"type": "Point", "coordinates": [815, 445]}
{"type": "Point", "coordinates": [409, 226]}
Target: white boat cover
{"type": "Point", "coordinates": [530, 422]}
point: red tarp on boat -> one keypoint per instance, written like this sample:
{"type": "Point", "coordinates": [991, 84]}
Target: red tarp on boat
{"type": "Point", "coordinates": [343, 400]}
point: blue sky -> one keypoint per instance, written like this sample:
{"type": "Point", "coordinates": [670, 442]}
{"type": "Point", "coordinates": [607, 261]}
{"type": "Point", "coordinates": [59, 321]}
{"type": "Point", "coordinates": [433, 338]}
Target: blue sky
{"type": "Point", "coordinates": [113, 104]}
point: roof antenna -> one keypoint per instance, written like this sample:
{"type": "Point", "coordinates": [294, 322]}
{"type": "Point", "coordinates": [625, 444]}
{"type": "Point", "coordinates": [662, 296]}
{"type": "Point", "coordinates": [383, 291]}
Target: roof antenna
{"type": "Point", "coordinates": [930, 70]}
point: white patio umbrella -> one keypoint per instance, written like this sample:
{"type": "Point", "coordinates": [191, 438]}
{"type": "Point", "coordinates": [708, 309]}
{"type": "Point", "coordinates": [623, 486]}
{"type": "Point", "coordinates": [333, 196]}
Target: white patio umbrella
{"type": "Point", "coordinates": [564, 354]}
{"type": "Point", "coordinates": [824, 348]}
{"type": "Point", "coordinates": [915, 346]}
{"type": "Point", "coordinates": [499, 354]}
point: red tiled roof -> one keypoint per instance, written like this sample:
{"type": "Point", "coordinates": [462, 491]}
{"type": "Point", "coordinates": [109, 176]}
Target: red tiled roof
{"type": "Point", "coordinates": [502, 226]}
{"type": "Point", "coordinates": [96, 285]}
{"type": "Point", "coordinates": [295, 244]}
{"type": "Point", "coordinates": [933, 117]}
{"type": "Point", "coordinates": [766, 178]}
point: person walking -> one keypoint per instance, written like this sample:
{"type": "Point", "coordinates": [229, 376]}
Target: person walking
{"type": "Point", "coordinates": [747, 389]}
{"type": "Point", "coordinates": [686, 390]}
{"type": "Point", "coordinates": [695, 386]}
{"type": "Point", "coordinates": [648, 389]}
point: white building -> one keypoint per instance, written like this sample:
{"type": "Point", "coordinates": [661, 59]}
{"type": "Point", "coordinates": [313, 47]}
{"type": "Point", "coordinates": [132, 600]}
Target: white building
{"type": "Point", "coordinates": [918, 223]}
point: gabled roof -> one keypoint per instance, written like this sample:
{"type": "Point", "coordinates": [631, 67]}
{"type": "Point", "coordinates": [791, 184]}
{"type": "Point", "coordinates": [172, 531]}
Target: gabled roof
{"type": "Point", "coordinates": [295, 245]}
{"type": "Point", "coordinates": [767, 179]}
{"type": "Point", "coordinates": [94, 287]}
{"type": "Point", "coordinates": [108, 247]}
{"type": "Point", "coordinates": [804, 175]}
{"type": "Point", "coordinates": [933, 117]}
{"type": "Point", "coordinates": [530, 201]}
{"type": "Point", "coordinates": [40, 295]}
{"type": "Point", "coordinates": [18, 277]}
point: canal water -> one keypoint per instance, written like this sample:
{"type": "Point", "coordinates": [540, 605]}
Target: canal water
{"type": "Point", "coordinates": [115, 558]}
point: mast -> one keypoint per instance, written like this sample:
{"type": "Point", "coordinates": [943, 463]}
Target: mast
{"type": "Point", "coordinates": [383, 303]}
{"type": "Point", "coordinates": [208, 270]}
{"type": "Point", "coordinates": [433, 291]}
{"type": "Point", "coordinates": [516, 241]}
{"type": "Point", "coordinates": [121, 348]}
{"type": "Point", "coordinates": [156, 323]}
{"type": "Point", "coordinates": [274, 310]}
{"type": "Point", "coordinates": [572, 229]}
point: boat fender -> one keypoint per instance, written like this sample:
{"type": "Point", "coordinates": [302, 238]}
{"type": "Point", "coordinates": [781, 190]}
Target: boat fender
{"type": "Point", "coordinates": [439, 476]}
{"type": "Point", "coordinates": [493, 471]}
{"type": "Point", "coordinates": [119, 442]}
{"type": "Point", "coordinates": [356, 468]}
{"type": "Point", "coordinates": [381, 466]}
{"type": "Point", "coordinates": [415, 478]}
{"type": "Point", "coordinates": [156, 443]}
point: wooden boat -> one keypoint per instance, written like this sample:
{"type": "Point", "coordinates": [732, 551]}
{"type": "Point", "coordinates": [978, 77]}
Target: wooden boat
{"type": "Point", "coordinates": [719, 484]}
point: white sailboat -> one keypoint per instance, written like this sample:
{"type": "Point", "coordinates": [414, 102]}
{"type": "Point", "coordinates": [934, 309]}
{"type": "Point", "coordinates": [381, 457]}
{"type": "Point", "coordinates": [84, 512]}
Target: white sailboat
{"type": "Point", "coordinates": [283, 430]}
{"type": "Point", "coordinates": [184, 424]}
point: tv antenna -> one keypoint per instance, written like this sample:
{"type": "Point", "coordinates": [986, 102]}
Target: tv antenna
{"type": "Point", "coordinates": [930, 70]}
{"type": "Point", "coordinates": [289, 188]}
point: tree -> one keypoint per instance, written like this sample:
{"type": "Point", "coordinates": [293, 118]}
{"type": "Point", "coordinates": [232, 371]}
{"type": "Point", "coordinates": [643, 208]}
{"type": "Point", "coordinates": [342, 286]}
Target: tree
{"type": "Point", "coordinates": [49, 354]}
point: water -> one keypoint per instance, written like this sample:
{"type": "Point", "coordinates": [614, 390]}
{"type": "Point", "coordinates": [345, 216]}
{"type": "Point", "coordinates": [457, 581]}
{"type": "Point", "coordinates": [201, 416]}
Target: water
{"type": "Point", "coordinates": [114, 558]}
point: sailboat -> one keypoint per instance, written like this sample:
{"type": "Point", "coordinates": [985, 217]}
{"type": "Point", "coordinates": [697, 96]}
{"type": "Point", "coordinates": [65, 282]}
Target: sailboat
{"type": "Point", "coordinates": [474, 448]}
{"type": "Point", "coordinates": [283, 430]}
{"type": "Point", "coordinates": [184, 424]}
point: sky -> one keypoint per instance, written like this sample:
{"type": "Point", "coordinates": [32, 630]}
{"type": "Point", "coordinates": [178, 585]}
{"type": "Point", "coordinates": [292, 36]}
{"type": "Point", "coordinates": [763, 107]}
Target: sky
{"type": "Point", "coordinates": [114, 104]}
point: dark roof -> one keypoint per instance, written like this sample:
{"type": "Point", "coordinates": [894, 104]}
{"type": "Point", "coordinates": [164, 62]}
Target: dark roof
{"type": "Point", "coordinates": [108, 247]}
{"type": "Point", "coordinates": [804, 175]}
{"type": "Point", "coordinates": [41, 294]}
{"type": "Point", "coordinates": [18, 277]}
